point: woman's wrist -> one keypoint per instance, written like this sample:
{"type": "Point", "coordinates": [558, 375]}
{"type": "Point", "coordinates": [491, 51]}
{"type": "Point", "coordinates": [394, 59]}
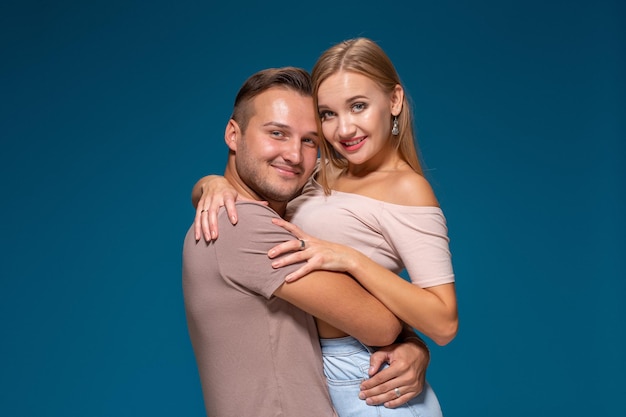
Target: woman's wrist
{"type": "Point", "coordinates": [357, 263]}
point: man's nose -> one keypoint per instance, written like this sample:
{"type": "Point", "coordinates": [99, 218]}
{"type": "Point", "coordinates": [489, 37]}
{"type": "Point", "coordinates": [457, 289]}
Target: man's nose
{"type": "Point", "coordinates": [293, 151]}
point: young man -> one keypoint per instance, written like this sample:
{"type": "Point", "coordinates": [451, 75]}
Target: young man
{"type": "Point", "coordinates": [253, 335]}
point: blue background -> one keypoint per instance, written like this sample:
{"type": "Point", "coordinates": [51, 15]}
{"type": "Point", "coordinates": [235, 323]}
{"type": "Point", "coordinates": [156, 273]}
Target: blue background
{"type": "Point", "coordinates": [110, 111]}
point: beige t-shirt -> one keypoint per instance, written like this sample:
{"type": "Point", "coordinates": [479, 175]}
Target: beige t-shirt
{"type": "Point", "coordinates": [257, 355]}
{"type": "Point", "coordinates": [394, 236]}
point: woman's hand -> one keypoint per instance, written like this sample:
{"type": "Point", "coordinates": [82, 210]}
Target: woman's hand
{"type": "Point", "coordinates": [405, 375]}
{"type": "Point", "coordinates": [318, 254]}
{"type": "Point", "coordinates": [211, 193]}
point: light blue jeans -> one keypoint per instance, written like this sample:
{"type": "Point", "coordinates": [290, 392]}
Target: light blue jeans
{"type": "Point", "coordinates": [346, 362]}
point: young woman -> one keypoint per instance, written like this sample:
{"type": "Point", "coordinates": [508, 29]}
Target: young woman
{"type": "Point", "coordinates": [371, 200]}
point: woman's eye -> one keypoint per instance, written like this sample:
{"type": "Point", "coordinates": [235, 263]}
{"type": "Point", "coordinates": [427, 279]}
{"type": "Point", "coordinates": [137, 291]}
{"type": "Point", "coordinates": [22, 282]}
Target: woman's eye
{"type": "Point", "coordinates": [326, 114]}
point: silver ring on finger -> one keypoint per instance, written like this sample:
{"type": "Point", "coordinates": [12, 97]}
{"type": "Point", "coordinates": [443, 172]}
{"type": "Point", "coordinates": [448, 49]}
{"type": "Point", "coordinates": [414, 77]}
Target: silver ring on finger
{"type": "Point", "coordinates": [397, 391]}
{"type": "Point", "coordinates": [302, 244]}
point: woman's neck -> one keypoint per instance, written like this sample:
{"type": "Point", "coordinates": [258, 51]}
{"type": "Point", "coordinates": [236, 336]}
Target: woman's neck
{"type": "Point", "coordinates": [383, 164]}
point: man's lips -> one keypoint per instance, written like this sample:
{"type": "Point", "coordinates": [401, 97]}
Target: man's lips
{"type": "Point", "coordinates": [287, 170]}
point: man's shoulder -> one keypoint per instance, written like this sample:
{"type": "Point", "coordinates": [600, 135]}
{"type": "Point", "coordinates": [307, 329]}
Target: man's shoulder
{"type": "Point", "coordinates": [255, 207]}
{"type": "Point", "coordinates": [250, 214]}
{"type": "Point", "coordinates": [240, 250]}
{"type": "Point", "coordinates": [252, 219]}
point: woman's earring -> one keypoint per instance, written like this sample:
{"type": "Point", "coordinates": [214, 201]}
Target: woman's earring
{"type": "Point", "coordinates": [395, 130]}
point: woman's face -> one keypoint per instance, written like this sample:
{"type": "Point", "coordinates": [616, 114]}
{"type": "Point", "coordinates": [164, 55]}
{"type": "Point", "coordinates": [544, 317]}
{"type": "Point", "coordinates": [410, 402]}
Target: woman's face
{"type": "Point", "coordinates": [356, 116]}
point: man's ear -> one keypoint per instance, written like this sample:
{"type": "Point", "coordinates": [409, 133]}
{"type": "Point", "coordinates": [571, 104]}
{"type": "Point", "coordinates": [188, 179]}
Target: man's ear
{"type": "Point", "coordinates": [397, 99]}
{"type": "Point", "coordinates": [232, 135]}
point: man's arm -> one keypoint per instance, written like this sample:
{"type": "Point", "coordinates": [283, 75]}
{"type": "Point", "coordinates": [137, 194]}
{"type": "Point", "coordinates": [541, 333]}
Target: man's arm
{"type": "Point", "coordinates": [333, 297]}
{"type": "Point", "coordinates": [407, 361]}
{"type": "Point", "coordinates": [339, 300]}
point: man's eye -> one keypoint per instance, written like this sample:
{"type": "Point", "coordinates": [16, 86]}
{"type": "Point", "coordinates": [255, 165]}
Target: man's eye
{"type": "Point", "coordinates": [309, 141]}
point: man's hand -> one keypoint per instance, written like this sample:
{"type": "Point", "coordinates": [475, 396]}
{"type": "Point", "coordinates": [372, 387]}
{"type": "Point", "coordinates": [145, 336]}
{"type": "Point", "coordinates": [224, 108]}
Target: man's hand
{"type": "Point", "coordinates": [405, 375]}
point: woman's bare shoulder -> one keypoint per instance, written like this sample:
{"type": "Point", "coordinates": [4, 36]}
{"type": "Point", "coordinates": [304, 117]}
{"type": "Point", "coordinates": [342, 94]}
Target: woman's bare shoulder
{"type": "Point", "coordinates": [409, 188]}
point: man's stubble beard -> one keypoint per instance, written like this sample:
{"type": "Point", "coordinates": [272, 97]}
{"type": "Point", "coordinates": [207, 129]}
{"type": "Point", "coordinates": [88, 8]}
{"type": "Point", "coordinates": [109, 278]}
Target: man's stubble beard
{"type": "Point", "coordinates": [249, 172]}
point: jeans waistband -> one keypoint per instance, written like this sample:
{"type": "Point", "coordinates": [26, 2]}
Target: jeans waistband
{"type": "Point", "coordinates": [343, 345]}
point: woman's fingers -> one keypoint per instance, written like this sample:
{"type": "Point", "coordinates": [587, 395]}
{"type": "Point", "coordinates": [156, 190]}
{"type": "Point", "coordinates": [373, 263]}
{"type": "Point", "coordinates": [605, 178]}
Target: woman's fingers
{"type": "Point", "coordinates": [198, 219]}
{"type": "Point", "coordinates": [291, 228]}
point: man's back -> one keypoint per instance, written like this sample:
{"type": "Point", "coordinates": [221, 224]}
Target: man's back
{"type": "Point", "coordinates": [258, 355]}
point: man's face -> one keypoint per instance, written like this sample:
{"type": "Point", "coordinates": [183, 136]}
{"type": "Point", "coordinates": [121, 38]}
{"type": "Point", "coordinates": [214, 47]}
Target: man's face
{"type": "Point", "coordinates": [277, 152]}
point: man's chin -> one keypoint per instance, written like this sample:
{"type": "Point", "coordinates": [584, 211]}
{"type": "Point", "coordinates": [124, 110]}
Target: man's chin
{"type": "Point", "coordinates": [285, 195]}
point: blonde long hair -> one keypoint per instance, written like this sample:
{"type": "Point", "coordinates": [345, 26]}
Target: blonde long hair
{"type": "Point", "coordinates": [363, 56]}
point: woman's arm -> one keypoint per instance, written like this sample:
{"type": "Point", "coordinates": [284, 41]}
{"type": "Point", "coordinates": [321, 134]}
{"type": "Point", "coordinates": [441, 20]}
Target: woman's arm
{"type": "Point", "coordinates": [207, 196]}
{"type": "Point", "coordinates": [432, 311]}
